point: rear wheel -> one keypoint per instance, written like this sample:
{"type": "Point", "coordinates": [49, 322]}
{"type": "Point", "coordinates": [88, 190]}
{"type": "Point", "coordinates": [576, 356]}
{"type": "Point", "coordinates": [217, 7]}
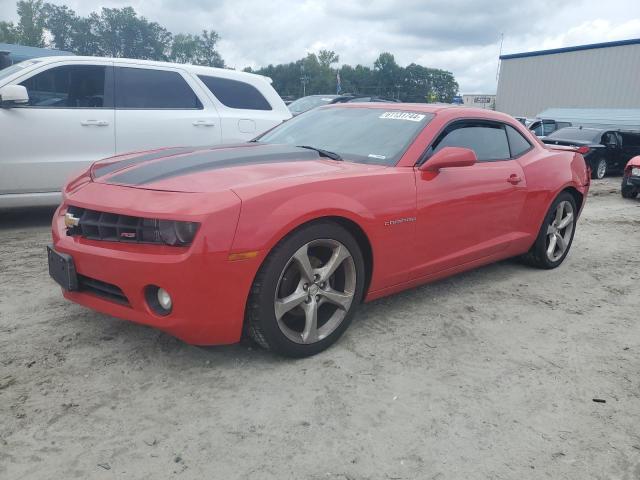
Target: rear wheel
{"type": "Point", "coordinates": [307, 290]}
{"type": "Point", "coordinates": [556, 234]}
{"type": "Point", "coordinates": [599, 170]}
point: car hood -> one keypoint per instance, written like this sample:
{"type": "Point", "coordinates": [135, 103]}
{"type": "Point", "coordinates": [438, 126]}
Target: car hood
{"type": "Point", "coordinates": [209, 169]}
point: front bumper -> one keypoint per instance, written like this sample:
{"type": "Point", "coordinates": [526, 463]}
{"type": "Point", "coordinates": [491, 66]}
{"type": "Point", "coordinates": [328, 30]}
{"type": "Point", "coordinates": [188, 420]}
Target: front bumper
{"type": "Point", "coordinates": [631, 180]}
{"type": "Point", "coordinates": [209, 291]}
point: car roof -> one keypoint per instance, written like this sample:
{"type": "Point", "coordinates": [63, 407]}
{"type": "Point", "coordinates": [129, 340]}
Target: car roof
{"type": "Point", "coordinates": [434, 108]}
{"type": "Point", "coordinates": [195, 69]}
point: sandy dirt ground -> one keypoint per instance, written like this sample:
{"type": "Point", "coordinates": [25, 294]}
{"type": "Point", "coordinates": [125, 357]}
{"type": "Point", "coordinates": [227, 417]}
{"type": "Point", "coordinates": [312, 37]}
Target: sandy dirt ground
{"type": "Point", "coordinates": [490, 374]}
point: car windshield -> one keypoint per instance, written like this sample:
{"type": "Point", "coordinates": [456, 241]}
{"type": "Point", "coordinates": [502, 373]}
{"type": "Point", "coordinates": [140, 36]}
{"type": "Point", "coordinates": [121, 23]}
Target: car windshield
{"type": "Point", "coordinates": [307, 103]}
{"type": "Point", "coordinates": [365, 135]}
{"type": "Point", "coordinates": [16, 67]}
{"type": "Point", "coordinates": [573, 133]}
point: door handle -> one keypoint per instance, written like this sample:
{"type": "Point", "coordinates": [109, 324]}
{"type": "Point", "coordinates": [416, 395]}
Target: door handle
{"type": "Point", "coordinates": [514, 179]}
{"type": "Point", "coordinates": [94, 123]}
{"type": "Point", "coordinates": [203, 123]}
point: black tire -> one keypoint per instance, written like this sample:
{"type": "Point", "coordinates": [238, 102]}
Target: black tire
{"type": "Point", "coordinates": [261, 323]}
{"type": "Point", "coordinates": [596, 172]}
{"type": "Point", "coordinates": [628, 191]}
{"type": "Point", "coordinates": [537, 254]}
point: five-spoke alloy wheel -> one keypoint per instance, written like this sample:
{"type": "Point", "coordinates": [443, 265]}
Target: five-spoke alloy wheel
{"type": "Point", "coordinates": [560, 231]}
{"type": "Point", "coordinates": [305, 294]}
{"type": "Point", "coordinates": [556, 233]}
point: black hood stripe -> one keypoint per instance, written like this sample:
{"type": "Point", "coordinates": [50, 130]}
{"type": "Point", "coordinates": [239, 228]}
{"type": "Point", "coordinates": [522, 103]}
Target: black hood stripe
{"type": "Point", "coordinates": [211, 159]}
{"type": "Point", "coordinates": [100, 170]}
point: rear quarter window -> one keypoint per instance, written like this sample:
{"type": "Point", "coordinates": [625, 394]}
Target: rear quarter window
{"type": "Point", "coordinates": [235, 94]}
{"type": "Point", "coordinates": [517, 143]}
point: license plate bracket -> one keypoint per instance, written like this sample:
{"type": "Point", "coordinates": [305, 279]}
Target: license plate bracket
{"type": "Point", "coordinates": [62, 269]}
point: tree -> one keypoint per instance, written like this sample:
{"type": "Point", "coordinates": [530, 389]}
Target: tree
{"type": "Point", "coordinates": [413, 83]}
{"type": "Point", "coordinates": [62, 23]}
{"type": "Point", "coordinates": [8, 33]}
{"type": "Point", "coordinates": [184, 48]}
{"type": "Point", "coordinates": [122, 33]}
{"type": "Point", "coordinates": [327, 58]}
{"type": "Point", "coordinates": [207, 54]}
{"type": "Point", "coordinates": [31, 20]}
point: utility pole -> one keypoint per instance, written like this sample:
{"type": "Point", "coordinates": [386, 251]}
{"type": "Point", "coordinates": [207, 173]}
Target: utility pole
{"type": "Point", "coordinates": [304, 79]}
{"type": "Point", "coordinates": [499, 55]}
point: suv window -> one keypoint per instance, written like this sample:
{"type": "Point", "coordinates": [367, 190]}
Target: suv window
{"type": "Point", "coordinates": [69, 86]}
{"type": "Point", "coordinates": [153, 89]}
{"type": "Point", "coordinates": [487, 140]}
{"type": "Point", "coordinates": [517, 143]}
{"type": "Point", "coordinates": [235, 94]}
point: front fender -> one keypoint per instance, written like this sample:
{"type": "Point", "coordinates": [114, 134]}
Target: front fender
{"type": "Point", "coordinates": [368, 201]}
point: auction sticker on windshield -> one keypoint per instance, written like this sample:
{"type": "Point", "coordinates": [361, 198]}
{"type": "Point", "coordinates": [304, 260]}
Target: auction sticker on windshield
{"type": "Point", "coordinates": [412, 117]}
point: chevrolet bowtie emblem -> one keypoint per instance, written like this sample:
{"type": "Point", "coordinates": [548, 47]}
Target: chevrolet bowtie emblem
{"type": "Point", "coordinates": [70, 221]}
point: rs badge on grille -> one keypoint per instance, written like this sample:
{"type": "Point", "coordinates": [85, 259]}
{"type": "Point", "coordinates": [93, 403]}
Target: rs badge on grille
{"type": "Point", "coordinates": [128, 234]}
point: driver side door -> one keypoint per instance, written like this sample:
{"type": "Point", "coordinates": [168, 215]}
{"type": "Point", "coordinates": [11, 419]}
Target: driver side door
{"type": "Point", "coordinates": [468, 213]}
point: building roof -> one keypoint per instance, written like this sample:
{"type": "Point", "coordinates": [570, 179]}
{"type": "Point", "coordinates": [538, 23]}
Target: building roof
{"type": "Point", "coordinates": [22, 52]}
{"type": "Point", "coordinates": [592, 46]}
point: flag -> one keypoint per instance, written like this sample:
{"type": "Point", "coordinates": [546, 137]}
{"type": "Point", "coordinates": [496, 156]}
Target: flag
{"type": "Point", "coordinates": [338, 85]}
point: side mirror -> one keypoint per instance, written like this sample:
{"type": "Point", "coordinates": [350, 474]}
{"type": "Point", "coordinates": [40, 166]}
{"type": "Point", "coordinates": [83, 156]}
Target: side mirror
{"type": "Point", "coordinates": [12, 95]}
{"type": "Point", "coordinates": [450, 157]}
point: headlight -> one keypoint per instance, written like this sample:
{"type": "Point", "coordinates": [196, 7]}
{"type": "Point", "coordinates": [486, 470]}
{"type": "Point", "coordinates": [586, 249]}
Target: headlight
{"type": "Point", "coordinates": [635, 171]}
{"type": "Point", "coordinates": [177, 233]}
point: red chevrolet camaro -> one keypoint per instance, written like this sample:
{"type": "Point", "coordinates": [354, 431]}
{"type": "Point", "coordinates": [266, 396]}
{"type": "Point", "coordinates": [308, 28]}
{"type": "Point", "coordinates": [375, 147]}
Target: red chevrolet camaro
{"type": "Point", "coordinates": [283, 237]}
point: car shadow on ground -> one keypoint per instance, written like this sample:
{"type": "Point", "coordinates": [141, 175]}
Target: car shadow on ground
{"type": "Point", "coordinates": [26, 217]}
{"type": "Point", "coordinates": [157, 346]}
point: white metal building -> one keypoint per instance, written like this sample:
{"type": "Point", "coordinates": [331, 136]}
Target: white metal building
{"type": "Point", "coordinates": [601, 75]}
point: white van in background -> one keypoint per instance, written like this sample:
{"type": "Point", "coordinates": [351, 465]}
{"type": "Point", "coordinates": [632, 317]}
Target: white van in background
{"type": "Point", "coordinates": [58, 114]}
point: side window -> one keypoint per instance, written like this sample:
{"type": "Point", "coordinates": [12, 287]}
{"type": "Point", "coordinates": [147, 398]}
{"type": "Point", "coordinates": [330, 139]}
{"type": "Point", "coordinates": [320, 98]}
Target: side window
{"type": "Point", "coordinates": [488, 141]}
{"type": "Point", "coordinates": [235, 94]}
{"type": "Point", "coordinates": [142, 88]}
{"type": "Point", "coordinates": [537, 131]}
{"type": "Point", "coordinates": [517, 143]}
{"type": "Point", "coordinates": [69, 86]}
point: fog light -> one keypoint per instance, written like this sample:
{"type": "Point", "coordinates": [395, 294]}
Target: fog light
{"type": "Point", "coordinates": [164, 299]}
{"type": "Point", "coordinates": [158, 299]}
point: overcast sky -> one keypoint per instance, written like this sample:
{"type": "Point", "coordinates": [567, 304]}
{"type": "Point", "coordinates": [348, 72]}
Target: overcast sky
{"type": "Point", "coordinates": [462, 36]}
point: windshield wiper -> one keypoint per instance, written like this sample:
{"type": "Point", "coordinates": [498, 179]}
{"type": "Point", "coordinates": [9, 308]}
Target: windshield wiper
{"type": "Point", "coordinates": [323, 153]}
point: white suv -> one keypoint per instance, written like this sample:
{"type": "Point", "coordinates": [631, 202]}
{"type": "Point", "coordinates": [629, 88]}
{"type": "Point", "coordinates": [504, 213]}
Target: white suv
{"type": "Point", "coordinates": [60, 113]}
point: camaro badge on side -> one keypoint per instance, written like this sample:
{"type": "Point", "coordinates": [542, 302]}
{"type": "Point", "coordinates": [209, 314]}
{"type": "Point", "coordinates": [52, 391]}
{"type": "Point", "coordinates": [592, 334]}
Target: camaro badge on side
{"type": "Point", "coordinates": [399, 220]}
{"type": "Point", "coordinates": [70, 220]}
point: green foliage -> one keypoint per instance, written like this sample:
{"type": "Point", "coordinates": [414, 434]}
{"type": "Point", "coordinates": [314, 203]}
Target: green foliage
{"type": "Point", "coordinates": [30, 28]}
{"type": "Point", "coordinates": [8, 32]}
{"type": "Point", "coordinates": [113, 32]}
{"type": "Point", "coordinates": [413, 83]}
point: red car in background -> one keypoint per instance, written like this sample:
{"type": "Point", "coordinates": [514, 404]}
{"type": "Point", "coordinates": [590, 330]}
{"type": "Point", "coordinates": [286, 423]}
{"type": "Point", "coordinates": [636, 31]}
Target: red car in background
{"type": "Point", "coordinates": [631, 178]}
{"type": "Point", "coordinates": [285, 236]}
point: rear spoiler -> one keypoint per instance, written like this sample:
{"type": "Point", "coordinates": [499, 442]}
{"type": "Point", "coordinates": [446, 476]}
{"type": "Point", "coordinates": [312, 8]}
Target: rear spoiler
{"type": "Point", "coordinates": [582, 149]}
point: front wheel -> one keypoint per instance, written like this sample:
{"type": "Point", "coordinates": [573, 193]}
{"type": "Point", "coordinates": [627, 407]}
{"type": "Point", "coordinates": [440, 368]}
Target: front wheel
{"type": "Point", "coordinates": [556, 234]}
{"type": "Point", "coordinates": [307, 290]}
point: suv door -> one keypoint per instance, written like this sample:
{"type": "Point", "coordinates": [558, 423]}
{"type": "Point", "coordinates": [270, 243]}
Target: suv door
{"type": "Point", "coordinates": [467, 213]}
{"type": "Point", "coordinates": [157, 107]}
{"type": "Point", "coordinates": [68, 123]}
